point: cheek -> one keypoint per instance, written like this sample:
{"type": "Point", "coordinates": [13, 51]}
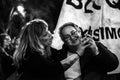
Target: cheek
{"type": "Point", "coordinates": [78, 42]}
{"type": "Point", "coordinates": [44, 41]}
{"type": "Point", "coordinates": [69, 42]}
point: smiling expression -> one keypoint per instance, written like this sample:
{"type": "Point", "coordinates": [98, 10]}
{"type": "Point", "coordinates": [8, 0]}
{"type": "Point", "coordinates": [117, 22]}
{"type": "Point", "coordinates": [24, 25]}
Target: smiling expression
{"type": "Point", "coordinates": [71, 36]}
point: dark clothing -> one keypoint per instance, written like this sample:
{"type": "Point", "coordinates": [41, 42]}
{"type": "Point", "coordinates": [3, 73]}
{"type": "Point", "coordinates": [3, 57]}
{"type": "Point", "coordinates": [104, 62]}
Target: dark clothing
{"type": "Point", "coordinates": [6, 65]}
{"type": "Point", "coordinates": [93, 67]}
{"type": "Point", "coordinates": [37, 67]}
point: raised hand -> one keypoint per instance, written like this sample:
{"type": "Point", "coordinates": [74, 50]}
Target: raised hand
{"type": "Point", "coordinates": [93, 45]}
{"type": "Point", "coordinates": [87, 41]}
{"type": "Point", "coordinates": [84, 43]}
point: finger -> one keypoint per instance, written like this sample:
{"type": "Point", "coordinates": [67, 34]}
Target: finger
{"type": "Point", "coordinates": [89, 36]}
{"type": "Point", "coordinates": [86, 37]}
{"type": "Point", "coordinates": [91, 41]}
{"type": "Point", "coordinates": [83, 39]}
{"type": "Point", "coordinates": [87, 45]}
{"type": "Point", "coordinates": [86, 41]}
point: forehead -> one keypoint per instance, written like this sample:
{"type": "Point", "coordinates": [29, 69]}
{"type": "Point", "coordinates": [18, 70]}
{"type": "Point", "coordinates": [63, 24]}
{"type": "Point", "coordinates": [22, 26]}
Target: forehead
{"type": "Point", "coordinates": [68, 29]}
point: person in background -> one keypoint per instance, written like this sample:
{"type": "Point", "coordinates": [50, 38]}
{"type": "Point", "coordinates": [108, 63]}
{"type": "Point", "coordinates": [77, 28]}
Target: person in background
{"type": "Point", "coordinates": [95, 60]}
{"type": "Point", "coordinates": [33, 55]}
{"type": "Point", "coordinates": [6, 52]}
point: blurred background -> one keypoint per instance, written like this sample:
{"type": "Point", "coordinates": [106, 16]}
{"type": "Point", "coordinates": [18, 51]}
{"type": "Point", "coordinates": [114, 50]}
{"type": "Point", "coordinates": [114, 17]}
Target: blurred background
{"type": "Point", "coordinates": [50, 10]}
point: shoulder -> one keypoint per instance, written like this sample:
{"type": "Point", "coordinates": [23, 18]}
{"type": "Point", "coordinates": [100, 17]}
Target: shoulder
{"type": "Point", "coordinates": [99, 44]}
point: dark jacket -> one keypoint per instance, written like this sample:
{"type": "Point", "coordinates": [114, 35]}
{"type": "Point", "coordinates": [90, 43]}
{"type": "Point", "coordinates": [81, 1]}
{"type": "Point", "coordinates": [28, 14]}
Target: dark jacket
{"type": "Point", "coordinates": [36, 67]}
{"type": "Point", "coordinates": [6, 65]}
{"type": "Point", "coordinates": [93, 67]}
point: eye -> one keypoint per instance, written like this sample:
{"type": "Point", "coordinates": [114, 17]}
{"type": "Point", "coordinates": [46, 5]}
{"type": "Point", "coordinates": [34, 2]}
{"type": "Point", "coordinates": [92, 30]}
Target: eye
{"type": "Point", "coordinates": [45, 34]}
{"type": "Point", "coordinates": [67, 37]}
{"type": "Point", "coordinates": [73, 32]}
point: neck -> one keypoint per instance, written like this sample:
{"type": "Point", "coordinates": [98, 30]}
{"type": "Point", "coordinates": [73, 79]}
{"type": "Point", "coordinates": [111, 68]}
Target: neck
{"type": "Point", "coordinates": [73, 49]}
{"type": "Point", "coordinates": [47, 50]}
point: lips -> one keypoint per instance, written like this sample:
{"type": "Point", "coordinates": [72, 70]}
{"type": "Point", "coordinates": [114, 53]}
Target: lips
{"type": "Point", "coordinates": [50, 41]}
{"type": "Point", "coordinates": [75, 39]}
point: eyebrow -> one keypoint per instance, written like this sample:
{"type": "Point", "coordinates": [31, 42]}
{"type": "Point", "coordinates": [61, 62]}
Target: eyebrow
{"type": "Point", "coordinates": [73, 31]}
{"type": "Point", "coordinates": [67, 35]}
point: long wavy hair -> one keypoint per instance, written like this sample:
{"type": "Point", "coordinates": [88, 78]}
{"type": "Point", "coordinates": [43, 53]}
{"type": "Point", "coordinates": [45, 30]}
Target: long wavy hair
{"type": "Point", "coordinates": [30, 37]}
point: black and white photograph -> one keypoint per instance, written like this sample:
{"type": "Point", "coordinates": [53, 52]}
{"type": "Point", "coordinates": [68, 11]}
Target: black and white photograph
{"type": "Point", "coordinates": [59, 39]}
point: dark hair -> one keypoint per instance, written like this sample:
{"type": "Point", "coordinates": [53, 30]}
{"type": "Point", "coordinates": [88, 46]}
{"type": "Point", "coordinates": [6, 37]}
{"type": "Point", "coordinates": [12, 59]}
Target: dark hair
{"type": "Point", "coordinates": [1, 40]}
{"type": "Point", "coordinates": [66, 25]}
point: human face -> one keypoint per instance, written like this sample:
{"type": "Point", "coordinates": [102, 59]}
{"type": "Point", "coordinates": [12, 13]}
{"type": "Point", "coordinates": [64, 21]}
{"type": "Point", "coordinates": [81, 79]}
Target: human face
{"type": "Point", "coordinates": [7, 41]}
{"type": "Point", "coordinates": [46, 38]}
{"type": "Point", "coordinates": [71, 36]}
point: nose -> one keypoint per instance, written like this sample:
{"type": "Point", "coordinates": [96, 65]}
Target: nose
{"type": "Point", "coordinates": [72, 37]}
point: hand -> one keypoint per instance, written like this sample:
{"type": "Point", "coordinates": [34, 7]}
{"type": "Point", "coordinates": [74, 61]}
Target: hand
{"type": "Point", "coordinates": [93, 45]}
{"type": "Point", "coordinates": [83, 45]}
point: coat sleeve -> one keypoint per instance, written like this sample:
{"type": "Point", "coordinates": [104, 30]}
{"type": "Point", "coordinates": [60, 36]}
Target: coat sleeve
{"type": "Point", "coordinates": [106, 60]}
{"type": "Point", "coordinates": [39, 64]}
{"type": "Point", "coordinates": [6, 64]}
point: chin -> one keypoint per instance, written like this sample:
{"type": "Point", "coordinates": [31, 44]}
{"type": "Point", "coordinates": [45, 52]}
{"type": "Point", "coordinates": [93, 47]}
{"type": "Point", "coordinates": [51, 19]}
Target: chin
{"type": "Point", "coordinates": [75, 44]}
{"type": "Point", "coordinates": [49, 44]}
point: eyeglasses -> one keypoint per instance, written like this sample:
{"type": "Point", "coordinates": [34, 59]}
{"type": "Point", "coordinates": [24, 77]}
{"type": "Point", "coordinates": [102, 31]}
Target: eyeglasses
{"type": "Point", "coordinates": [73, 34]}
